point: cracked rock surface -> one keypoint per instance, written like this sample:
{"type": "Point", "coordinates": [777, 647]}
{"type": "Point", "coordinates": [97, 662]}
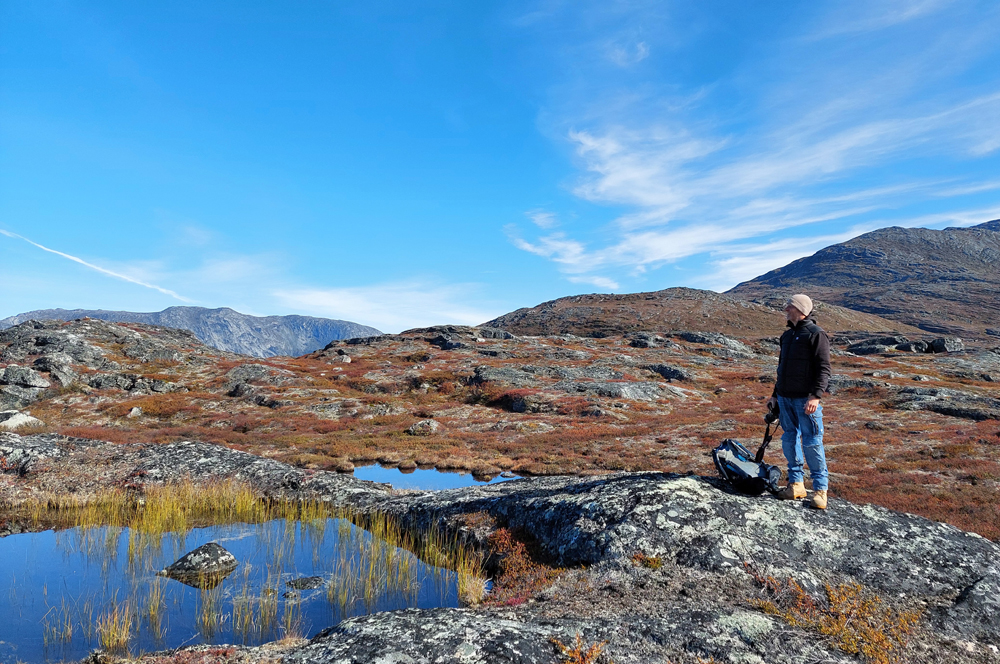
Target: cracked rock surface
{"type": "Point", "coordinates": [698, 524]}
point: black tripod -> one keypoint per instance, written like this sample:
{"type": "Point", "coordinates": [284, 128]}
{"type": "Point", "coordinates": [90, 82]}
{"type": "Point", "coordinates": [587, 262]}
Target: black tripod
{"type": "Point", "coordinates": [770, 419]}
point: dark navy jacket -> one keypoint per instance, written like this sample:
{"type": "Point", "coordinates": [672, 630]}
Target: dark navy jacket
{"type": "Point", "coordinates": [804, 364]}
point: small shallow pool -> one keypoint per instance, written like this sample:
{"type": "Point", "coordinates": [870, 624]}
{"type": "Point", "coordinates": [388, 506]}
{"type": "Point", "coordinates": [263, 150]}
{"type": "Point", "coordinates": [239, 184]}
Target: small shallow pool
{"type": "Point", "coordinates": [62, 592]}
{"type": "Point", "coordinates": [421, 478]}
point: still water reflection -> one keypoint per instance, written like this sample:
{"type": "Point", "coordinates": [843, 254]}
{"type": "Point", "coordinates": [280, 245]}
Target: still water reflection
{"type": "Point", "coordinates": [61, 593]}
{"type": "Point", "coordinates": [425, 479]}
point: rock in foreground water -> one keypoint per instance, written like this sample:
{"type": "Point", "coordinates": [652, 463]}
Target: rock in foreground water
{"type": "Point", "coordinates": [205, 567]}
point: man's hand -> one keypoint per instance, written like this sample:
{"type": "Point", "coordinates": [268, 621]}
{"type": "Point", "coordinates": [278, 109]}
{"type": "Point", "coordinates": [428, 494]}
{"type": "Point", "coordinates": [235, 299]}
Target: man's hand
{"type": "Point", "coordinates": [811, 404]}
{"type": "Point", "coordinates": [772, 402]}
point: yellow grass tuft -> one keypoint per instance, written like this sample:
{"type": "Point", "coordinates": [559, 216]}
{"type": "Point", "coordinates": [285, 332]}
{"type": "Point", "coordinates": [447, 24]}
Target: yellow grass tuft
{"type": "Point", "coordinates": [114, 629]}
{"type": "Point", "coordinates": [580, 652]}
{"type": "Point", "coordinates": [57, 628]}
{"type": "Point", "coordinates": [650, 562]}
{"type": "Point", "coordinates": [152, 611]}
{"type": "Point", "coordinates": [854, 619]}
{"type": "Point", "coordinates": [176, 507]}
{"type": "Point", "coordinates": [210, 615]}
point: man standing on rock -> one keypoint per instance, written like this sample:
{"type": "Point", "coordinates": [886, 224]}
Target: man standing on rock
{"type": "Point", "coordinates": [803, 376]}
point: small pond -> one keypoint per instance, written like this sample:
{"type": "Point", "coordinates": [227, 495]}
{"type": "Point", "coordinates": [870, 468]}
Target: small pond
{"type": "Point", "coordinates": [62, 591]}
{"type": "Point", "coordinates": [421, 478]}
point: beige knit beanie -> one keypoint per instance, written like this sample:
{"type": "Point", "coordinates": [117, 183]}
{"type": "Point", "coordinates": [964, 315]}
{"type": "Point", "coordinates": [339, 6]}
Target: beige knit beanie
{"type": "Point", "coordinates": [802, 303]}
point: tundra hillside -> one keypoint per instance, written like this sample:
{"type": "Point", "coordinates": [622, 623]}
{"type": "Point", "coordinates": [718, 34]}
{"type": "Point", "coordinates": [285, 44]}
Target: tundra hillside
{"type": "Point", "coordinates": [908, 428]}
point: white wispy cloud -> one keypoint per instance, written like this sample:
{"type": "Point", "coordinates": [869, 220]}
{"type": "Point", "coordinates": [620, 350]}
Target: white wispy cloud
{"type": "Point", "coordinates": [542, 218]}
{"type": "Point", "coordinates": [663, 172]}
{"type": "Point", "coordinates": [818, 157]}
{"type": "Point", "coordinates": [555, 246]}
{"type": "Point", "coordinates": [973, 188]}
{"type": "Point", "coordinates": [625, 55]}
{"type": "Point", "coordinates": [97, 268]}
{"type": "Point", "coordinates": [228, 269]}
{"type": "Point", "coordinates": [741, 262]}
{"type": "Point", "coordinates": [953, 218]}
{"type": "Point", "coordinates": [869, 16]}
{"type": "Point", "coordinates": [392, 307]}
{"type": "Point", "coordinates": [600, 282]}
{"type": "Point", "coordinates": [194, 235]}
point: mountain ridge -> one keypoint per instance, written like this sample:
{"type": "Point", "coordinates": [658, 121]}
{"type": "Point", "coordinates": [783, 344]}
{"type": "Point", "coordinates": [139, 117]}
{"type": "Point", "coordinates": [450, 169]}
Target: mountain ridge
{"type": "Point", "coordinates": [942, 281]}
{"type": "Point", "coordinates": [224, 328]}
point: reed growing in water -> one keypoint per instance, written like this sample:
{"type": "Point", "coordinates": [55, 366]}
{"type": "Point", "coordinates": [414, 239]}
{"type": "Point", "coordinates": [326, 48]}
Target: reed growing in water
{"type": "Point", "coordinates": [179, 507]}
{"type": "Point", "coordinates": [114, 629]}
{"type": "Point", "coordinates": [375, 557]}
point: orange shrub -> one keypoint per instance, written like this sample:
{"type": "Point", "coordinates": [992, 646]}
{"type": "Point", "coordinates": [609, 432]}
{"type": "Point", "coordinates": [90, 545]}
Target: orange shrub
{"type": "Point", "coordinates": [520, 576]}
{"type": "Point", "coordinates": [854, 619]}
{"type": "Point", "coordinates": [157, 405]}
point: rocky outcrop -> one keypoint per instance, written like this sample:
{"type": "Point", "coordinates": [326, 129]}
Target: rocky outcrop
{"type": "Point", "coordinates": [20, 386]}
{"type": "Point", "coordinates": [22, 376]}
{"type": "Point", "coordinates": [13, 397]}
{"type": "Point", "coordinates": [22, 454]}
{"type": "Point", "coordinates": [697, 604]}
{"type": "Point", "coordinates": [647, 340]}
{"type": "Point", "coordinates": [223, 328]}
{"type": "Point", "coordinates": [424, 428]}
{"type": "Point", "coordinates": [705, 536]}
{"type": "Point", "coordinates": [595, 380]}
{"type": "Point", "coordinates": [56, 347]}
{"type": "Point", "coordinates": [12, 419]}
{"type": "Point", "coordinates": [463, 635]}
{"type": "Point", "coordinates": [715, 338]}
{"type": "Point", "coordinates": [244, 379]}
{"type": "Point", "coordinates": [81, 343]}
{"type": "Point", "coordinates": [668, 372]}
{"type": "Point", "coordinates": [64, 354]}
{"type": "Point", "coordinates": [438, 635]}
{"type": "Point", "coordinates": [632, 390]}
{"type": "Point", "coordinates": [57, 365]}
{"type": "Point", "coordinates": [444, 337]}
{"type": "Point", "coordinates": [956, 403]}
{"type": "Point", "coordinates": [947, 345]}
{"type": "Point", "coordinates": [888, 344]}
{"type": "Point", "coordinates": [698, 523]}
{"type": "Point", "coordinates": [966, 404]}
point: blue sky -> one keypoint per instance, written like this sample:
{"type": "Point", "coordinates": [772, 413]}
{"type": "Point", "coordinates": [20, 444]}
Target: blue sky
{"type": "Point", "coordinates": [403, 164]}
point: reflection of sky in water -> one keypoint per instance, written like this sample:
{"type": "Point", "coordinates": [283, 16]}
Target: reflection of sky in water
{"type": "Point", "coordinates": [419, 478]}
{"type": "Point", "coordinates": [49, 576]}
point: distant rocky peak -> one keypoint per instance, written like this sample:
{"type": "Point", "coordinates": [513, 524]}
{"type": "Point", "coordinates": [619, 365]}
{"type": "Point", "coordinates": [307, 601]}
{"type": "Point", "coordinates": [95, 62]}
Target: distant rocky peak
{"type": "Point", "coordinates": [224, 328]}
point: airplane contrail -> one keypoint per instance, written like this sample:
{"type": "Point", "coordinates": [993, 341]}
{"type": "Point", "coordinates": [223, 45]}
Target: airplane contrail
{"type": "Point", "coordinates": [116, 275]}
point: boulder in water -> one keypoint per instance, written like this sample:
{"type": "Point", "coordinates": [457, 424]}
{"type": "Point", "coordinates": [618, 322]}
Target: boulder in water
{"type": "Point", "coordinates": [205, 567]}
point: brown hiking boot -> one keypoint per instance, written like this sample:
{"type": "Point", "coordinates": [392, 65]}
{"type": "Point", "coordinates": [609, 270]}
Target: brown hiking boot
{"type": "Point", "coordinates": [819, 499]}
{"type": "Point", "coordinates": [793, 491]}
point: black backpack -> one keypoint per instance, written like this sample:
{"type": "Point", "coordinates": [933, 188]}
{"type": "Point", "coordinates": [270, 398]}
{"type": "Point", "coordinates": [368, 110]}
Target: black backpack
{"type": "Point", "coordinates": [747, 475]}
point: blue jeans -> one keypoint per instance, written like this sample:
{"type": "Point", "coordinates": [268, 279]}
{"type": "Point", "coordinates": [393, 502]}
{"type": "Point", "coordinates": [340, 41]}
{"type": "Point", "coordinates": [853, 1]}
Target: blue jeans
{"type": "Point", "coordinates": [802, 435]}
